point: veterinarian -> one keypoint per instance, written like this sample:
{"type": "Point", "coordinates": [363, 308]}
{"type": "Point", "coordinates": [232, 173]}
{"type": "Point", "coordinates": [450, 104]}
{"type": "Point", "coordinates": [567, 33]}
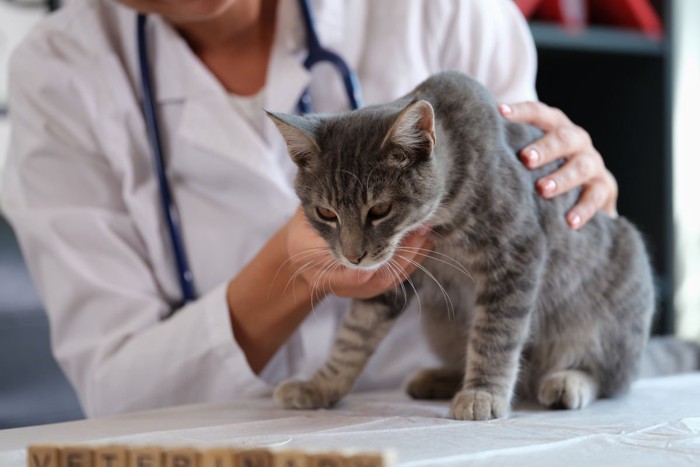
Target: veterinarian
{"type": "Point", "coordinates": [82, 195]}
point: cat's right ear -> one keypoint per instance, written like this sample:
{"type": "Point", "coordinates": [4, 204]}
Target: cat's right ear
{"type": "Point", "coordinates": [413, 133]}
{"type": "Point", "coordinates": [298, 132]}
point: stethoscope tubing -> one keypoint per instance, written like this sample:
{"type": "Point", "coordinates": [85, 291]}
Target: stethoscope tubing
{"type": "Point", "coordinates": [171, 216]}
{"type": "Point", "coordinates": [317, 54]}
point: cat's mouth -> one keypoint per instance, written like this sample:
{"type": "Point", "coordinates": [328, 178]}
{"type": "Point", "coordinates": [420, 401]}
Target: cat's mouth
{"type": "Point", "coordinates": [387, 255]}
{"type": "Point", "coordinates": [370, 262]}
{"type": "Point", "coordinates": [370, 265]}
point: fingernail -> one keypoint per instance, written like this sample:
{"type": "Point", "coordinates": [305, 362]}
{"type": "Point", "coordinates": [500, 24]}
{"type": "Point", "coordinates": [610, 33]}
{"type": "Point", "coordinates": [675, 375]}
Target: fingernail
{"type": "Point", "coordinates": [575, 220]}
{"type": "Point", "coordinates": [505, 110]}
{"type": "Point", "coordinates": [531, 155]}
{"type": "Point", "coordinates": [549, 186]}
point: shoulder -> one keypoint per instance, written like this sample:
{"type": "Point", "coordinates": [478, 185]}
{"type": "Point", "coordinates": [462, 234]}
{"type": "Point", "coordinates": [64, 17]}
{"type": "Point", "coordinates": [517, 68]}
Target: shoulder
{"type": "Point", "coordinates": [75, 41]}
{"type": "Point", "coordinates": [488, 40]}
{"type": "Point", "coordinates": [71, 64]}
{"type": "Point", "coordinates": [482, 13]}
{"type": "Point", "coordinates": [76, 30]}
{"type": "Point", "coordinates": [469, 28]}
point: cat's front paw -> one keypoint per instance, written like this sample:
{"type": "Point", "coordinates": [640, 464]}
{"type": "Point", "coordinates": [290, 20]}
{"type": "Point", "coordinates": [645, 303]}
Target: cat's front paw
{"type": "Point", "coordinates": [296, 394]}
{"type": "Point", "coordinates": [477, 404]}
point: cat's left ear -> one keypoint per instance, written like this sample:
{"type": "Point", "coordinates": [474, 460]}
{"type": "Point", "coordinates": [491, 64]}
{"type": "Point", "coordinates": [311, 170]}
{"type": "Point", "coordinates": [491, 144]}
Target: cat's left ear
{"type": "Point", "coordinates": [413, 132]}
{"type": "Point", "coordinates": [298, 132]}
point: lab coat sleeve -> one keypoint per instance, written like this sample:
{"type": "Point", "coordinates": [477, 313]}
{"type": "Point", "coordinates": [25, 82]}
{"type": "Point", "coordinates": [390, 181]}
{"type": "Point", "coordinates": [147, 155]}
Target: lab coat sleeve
{"type": "Point", "coordinates": [86, 257]}
{"type": "Point", "coordinates": [488, 40]}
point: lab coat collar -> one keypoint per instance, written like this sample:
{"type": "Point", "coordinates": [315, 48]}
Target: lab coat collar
{"type": "Point", "coordinates": [207, 119]}
{"type": "Point", "coordinates": [178, 74]}
{"type": "Point", "coordinates": [176, 71]}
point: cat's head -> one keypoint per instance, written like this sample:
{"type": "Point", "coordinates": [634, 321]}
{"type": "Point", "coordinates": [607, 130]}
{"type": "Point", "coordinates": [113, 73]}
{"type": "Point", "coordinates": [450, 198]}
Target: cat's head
{"type": "Point", "coordinates": [365, 178]}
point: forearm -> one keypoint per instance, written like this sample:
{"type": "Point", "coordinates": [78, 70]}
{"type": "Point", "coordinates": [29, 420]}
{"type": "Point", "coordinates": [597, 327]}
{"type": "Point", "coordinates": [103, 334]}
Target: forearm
{"type": "Point", "coordinates": [267, 303]}
{"type": "Point", "coordinates": [272, 295]}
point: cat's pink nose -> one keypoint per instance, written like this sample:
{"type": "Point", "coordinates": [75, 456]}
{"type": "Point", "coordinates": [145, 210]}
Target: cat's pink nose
{"type": "Point", "coordinates": [355, 259]}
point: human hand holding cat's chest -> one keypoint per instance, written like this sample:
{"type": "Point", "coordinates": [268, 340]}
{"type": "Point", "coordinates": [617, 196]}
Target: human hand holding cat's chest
{"type": "Point", "coordinates": [309, 255]}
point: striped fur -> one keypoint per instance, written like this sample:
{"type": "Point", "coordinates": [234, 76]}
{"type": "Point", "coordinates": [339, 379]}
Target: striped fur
{"type": "Point", "coordinates": [513, 301]}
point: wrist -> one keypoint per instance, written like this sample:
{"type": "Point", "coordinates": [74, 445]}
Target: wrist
{"type": "Point", "coordinates": [267, 301]}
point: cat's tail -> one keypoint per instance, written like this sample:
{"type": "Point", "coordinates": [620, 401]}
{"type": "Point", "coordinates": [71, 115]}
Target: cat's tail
{"type": "Point", "coordinates": [669, 355]}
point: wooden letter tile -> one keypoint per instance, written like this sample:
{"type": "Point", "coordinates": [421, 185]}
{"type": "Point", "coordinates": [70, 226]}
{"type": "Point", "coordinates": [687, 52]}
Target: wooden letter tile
{"type": "Point", "coordinates": [217, 458]}
{"type": "Point", "coordinates": [326, 459]}
{"type": "Point", "coordinates": [76, 456]}
{"type": "Point", "coordinates": [289, 459]}
{"type": "Point", "coordinates": [181, 457]}
{"type": "Point", "coordinates": [42, 456]}
{"type": "Point", "coordinates": [110, 456]}
{"type": "Point", "coordinates": [254, 458]}
{"type": "Point", "coordinates": [145, 457]}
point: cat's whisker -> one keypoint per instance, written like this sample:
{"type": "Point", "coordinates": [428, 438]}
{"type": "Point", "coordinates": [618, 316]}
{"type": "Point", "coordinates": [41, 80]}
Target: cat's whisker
{"type": "Point", "coordinates": [308, 265]}
{"type": "Point", "coordinates": [355, 176]}
{"type": "Point", "coordinates": [314, 283]}
{"type": "Point", "coordinates": [396, 265]}
{"type": "Point", "coordinates": [292, 280]}
{"type": "Point", "coordinates": [319, 276]}
{"type": "Point", "coordinates": [391, 274]}
{"type": "Point", "coordinates": [384, 271]}
{"type": "Point", "coordinates": [369, 175]}
{"type": "Point", "coordinates": [298, 256]}
{"type": "Point", "coordinates": [405, 293]}
{"type": "Point", "coordinates": [444, 224]}
{"type": "Point", "coordinates": [426, 253]}
{"type": "Point", "coordinates": [448, 300]}
{"type": "Point", "coordinates": [299, 271]}
{"type": "Point", "coordinates": [306, 252]}
{"type": "Point", "coordinates": [330, 274]}
{"type": "Point", "coordinates": [386, 268]}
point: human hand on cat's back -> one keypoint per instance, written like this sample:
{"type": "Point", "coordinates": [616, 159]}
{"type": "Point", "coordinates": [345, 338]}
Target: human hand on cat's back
{"type": "Point", "coordinates": [583, 165]}
{"type": "Point", "coordinates": [310, 256]}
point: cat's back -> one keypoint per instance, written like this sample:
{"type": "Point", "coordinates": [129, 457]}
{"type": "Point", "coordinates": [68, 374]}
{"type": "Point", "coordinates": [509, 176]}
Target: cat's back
{"type": "Point", "coordinates": [453, 92]}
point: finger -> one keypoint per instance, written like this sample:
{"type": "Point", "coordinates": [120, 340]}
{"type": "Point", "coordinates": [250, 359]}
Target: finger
{"type": "Point", "coordinates": [557, 144]}
{"type": "Point", "coordinates": [592, 199]}
{"type": "Point", "coordinates": [535, 113]}
{"type": "Point", "coordinates": [577, 171]}
{"type": "Point", "coordinates": [610, 205]}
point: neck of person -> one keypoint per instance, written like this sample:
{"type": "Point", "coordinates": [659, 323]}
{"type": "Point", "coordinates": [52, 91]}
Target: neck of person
{"type": "Point", "coordinates": [235, 44]}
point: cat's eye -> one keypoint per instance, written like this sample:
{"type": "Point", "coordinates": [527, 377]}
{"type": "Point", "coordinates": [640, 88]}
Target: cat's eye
{"type": "Point", "coordinates": [379, 210]}
{"type": "Point", "coordinates": [326, 214]}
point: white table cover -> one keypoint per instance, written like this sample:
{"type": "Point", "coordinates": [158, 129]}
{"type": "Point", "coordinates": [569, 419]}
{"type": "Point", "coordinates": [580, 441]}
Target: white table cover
{"type": "Point", "coordinates": [657, 424]}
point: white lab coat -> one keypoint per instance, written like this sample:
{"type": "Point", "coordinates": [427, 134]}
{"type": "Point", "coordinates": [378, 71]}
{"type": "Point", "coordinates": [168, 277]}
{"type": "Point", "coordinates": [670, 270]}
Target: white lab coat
{"type": "Point", "coordinates": [79, 186]}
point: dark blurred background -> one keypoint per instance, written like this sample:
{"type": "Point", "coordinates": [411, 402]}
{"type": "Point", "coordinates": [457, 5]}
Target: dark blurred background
{"type": "Point", "coordinates": [607, 65]}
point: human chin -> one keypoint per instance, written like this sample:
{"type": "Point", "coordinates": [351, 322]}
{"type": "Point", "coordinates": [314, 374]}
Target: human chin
{"type": "Point", "coordinates": [181, 10]}
{"type": "Point", "coordinates": [195, 10]}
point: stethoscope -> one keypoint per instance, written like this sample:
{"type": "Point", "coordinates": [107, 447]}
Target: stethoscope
{"type": "Point", "coordinates": [316, 54]}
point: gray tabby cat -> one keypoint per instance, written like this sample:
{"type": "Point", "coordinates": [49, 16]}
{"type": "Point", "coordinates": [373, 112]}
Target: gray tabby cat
{"type": "Point", "coordinates": [564, 314]}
